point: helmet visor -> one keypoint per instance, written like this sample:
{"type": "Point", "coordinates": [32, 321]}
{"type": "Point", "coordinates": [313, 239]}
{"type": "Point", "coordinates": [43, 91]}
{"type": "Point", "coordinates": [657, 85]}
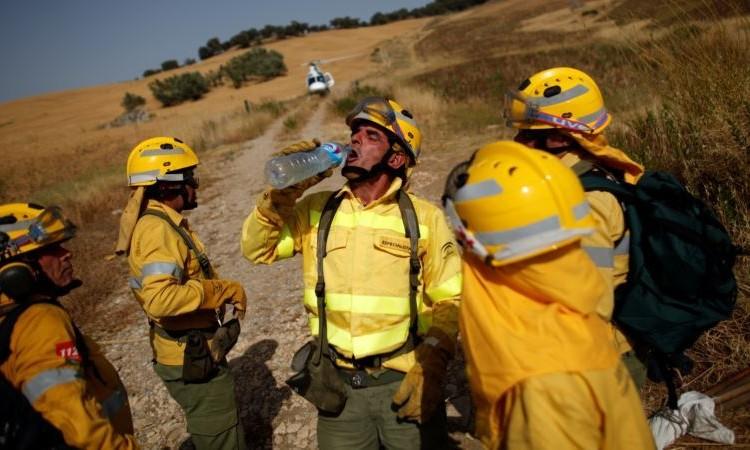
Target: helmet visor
{"type": "Point", "coordinates": [380, 111]}
{"type": "Point", "coordinates": [520, 111]}
{"type": "Point", "coordinates": [51, 226]}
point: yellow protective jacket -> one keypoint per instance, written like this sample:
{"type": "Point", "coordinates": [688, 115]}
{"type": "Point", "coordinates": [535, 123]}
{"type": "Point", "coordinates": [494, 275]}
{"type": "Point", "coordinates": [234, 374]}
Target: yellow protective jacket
{"type": "Point", "coordinates": [166, 280]}
{"type": "Point", "coordinates": [532, 319]}
{"type": "Point", "coordinates": [608, 246]}
{"type": "Point", "coordinates": [90, 407]}
{"type": "Point", "coordinates": [366, 268]}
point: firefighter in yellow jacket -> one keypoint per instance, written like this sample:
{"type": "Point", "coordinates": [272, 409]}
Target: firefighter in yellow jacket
{"type": "Point", "coordinates": [561, 111]}
{"type": "Point", "coordinates": [63, 374]}
{"type": "Point", "coordinates": [393, 365]}
{"type": "Point", "coordinates": [539, 374]}
{"type": "Point", "coordinates": [184, 300]}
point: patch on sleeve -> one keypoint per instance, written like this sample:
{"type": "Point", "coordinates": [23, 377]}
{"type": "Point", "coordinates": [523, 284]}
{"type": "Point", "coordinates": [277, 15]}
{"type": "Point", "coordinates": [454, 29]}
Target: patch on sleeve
{"type": "Point", "coordinates": [68, 351]}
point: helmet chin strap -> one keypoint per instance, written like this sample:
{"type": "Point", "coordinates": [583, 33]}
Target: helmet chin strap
{"type": "Point", "coordinates": [381, 166]}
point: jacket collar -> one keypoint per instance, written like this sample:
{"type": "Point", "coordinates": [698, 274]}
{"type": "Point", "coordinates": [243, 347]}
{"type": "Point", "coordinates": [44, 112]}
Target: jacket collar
{"type": "Point", "coordinates": [385, 198]}
{"type": "Point", "coordinates": [173, 215]}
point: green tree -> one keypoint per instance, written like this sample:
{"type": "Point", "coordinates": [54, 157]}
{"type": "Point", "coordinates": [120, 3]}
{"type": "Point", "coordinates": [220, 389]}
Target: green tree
{"type": "Point", "coordinates": [169, 64]}
{"type": "Point", "coordinates": [179, 88]}
{"type": "Point", "coordinates": [256, 64]}
{"type": "Point", "coordinates": [132, 101]}
{"type": "Point", "coordinates": [205, 53]}
{"type": "Point", "coordinates": [149, 72]}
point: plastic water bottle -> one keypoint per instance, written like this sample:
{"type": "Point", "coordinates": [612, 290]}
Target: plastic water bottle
{"type": "Point", "coordinates": [287, 170]}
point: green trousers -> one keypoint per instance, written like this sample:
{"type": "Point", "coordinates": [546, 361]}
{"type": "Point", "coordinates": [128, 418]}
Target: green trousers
{"type": "Point", "coordinates": [210, 408]}
{"type": "Point", "coordinates": [368, 422]}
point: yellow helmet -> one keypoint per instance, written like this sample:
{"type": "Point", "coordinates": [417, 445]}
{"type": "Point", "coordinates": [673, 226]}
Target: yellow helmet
{"type": "Point", "coordinates": [25, 227]}
{"type": "Point", "coordinates": [157, 159]}
{"type": "Point", "coordinates": [561, 97]}
{"type": "Point", "coordinates": [394, 118]}
{"type": "Point", "coordinates": [510, 203]}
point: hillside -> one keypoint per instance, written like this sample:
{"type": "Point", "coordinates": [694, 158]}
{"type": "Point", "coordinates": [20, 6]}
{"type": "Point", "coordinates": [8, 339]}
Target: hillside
{"type": "Point", "coordinates": [675, 77]}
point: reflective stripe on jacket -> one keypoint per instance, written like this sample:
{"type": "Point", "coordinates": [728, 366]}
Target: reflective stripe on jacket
{"type": "Point", "coordinates": [44, 365]}
{"type": "Point", "coordinates": [366, 267]}
{"type": "Point", "coordinates": [165, 279]}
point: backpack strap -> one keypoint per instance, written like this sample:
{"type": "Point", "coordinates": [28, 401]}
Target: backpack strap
{"type": "Point", "coordinates": [202, 258]}
{"type": "Point", "coordinates": [324, 226]}
{"type": "Point", "coordinates": [411, 229]}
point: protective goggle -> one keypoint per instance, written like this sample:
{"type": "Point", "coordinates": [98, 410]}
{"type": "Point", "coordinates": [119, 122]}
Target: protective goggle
{"type": "Point", "coordinates": [519, 109]}
{"type": "Point", "coordinates": [189, 177]}
{"type": "Point", "coordinates": [379, 110]}
{"type": "Point", "coordinates": [48, 227]}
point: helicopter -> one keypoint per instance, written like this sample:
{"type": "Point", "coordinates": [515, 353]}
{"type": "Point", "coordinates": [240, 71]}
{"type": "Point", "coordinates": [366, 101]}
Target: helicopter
{"type": "Point", "coordinates": [318, 82]}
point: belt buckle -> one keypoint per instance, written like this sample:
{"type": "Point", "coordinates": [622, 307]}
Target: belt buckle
{"type": "Point", "coordinates": [359, 379]}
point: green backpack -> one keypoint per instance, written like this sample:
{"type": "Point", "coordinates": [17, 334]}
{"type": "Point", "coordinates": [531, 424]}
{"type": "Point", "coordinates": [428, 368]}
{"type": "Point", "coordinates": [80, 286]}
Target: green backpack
{"type": "Point", "coordinates": [680, 281]}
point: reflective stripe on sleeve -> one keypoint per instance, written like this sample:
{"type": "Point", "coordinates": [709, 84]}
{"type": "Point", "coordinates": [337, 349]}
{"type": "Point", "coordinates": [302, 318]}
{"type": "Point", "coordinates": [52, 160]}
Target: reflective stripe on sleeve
{"type": "Point", "coordinates": [135, 283]}
{"type": "Point", "coordinates": [448, 289]}
{"type": "Point", "coordinates": [38, 385]}
{"type": "Point", "coordinates": [161, 268]}
{"type": "Point", "coordinates": [623, 247]}
{"type": "Point", "coordinates": [285, 247]}
{"type": "Point", "coordinates": [602, 256]}
{"type": "Point", "coordinates": [155, 268]}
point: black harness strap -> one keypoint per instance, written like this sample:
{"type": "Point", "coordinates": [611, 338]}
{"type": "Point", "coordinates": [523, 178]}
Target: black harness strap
{"type": "Point", "coordinates": [411, 229]}
{"type": "Point", "coordinates": [205, 264]}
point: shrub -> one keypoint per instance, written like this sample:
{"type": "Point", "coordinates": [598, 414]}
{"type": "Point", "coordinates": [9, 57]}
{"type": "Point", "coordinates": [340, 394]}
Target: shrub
{"type": "Point", "coordinates": [132, 101]}
{"type": "Point", "coordinates": [256, 64]}
{"type": "Point", "coordinates": [346, 22]}
{"type": "Point", "coordinates": [179, 88]}
{"type": "Point", "coordinates": [275, 108]}
{"type": "Point", "coordinates": [699, 132]}
{"type": "Point", "coordinates": [169, 64]}
{"type": "Point", "coordinates": [189, 62]}
{"type": "Point", "coordinates": [205, 53]}
{"type": "Point", "coordinates": [149, 72]}
{"type": "Point", "coordinates": [343, 105]}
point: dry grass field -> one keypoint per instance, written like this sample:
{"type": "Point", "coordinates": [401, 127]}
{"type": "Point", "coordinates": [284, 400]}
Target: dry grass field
{"type": "Point", "coordinates": [675, 75]}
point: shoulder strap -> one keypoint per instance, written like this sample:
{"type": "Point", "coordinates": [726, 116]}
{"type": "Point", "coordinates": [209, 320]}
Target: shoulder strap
{"type": "Point", "coordinates": [623, 191]}
{"type": "Point", "coordinates": [202, 258]}
{"type": "Point", "coordinates": [324, 226]}
{"type": "Point", "coordinates": [411, 227]}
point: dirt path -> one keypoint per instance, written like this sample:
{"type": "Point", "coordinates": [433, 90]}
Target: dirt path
{"type": "Point", "coordinates": [275, 325]}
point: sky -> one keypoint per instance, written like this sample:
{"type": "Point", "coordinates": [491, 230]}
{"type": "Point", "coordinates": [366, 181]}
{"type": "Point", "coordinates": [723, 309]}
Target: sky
{"type": "Point", "coordinates": [56, 45]}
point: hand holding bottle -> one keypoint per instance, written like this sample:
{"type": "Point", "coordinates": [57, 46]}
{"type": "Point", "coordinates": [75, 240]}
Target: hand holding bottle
{"type": "Point", "coordinates": [301, 162]}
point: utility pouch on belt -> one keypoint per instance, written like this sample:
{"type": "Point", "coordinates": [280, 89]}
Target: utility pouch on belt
{"type": "Point", "coordinates": [224, 339]}
{"type": "Point", "coordinates": [197, 364]}
{"type": "Point", "coordinates": [317, 378]}
{"type": "Point", "coordinates": [319, 381]}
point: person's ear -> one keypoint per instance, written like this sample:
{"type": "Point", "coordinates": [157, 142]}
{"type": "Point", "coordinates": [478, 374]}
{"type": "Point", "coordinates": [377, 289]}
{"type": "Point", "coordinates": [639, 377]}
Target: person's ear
{"type": "Point", "coordinates": [397, 160]}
